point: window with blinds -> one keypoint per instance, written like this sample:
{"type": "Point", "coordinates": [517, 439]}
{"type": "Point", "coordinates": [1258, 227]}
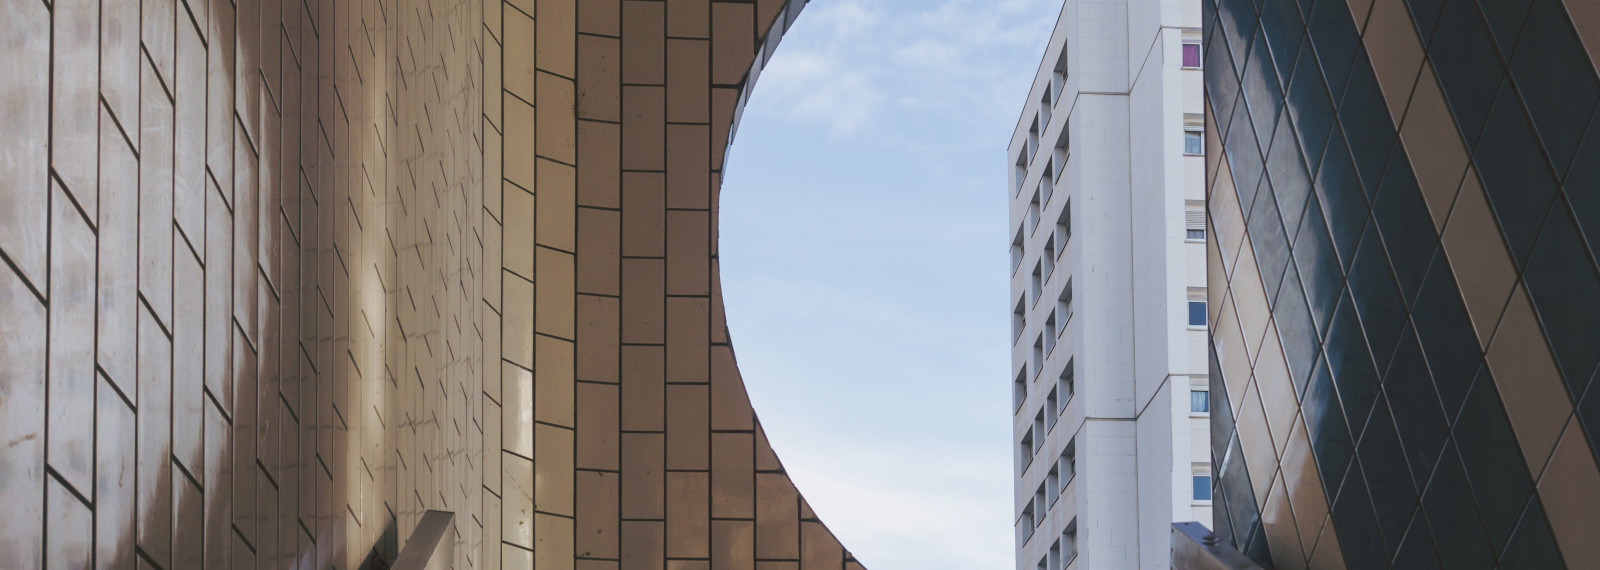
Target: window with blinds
{"type": "Point", "coordinates": [1194, 221]}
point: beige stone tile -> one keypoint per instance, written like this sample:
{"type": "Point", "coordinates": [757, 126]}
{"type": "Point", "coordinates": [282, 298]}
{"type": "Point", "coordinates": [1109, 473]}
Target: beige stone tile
{"type": "Point", "coordinates": [1570, 489]}
{"type": "Point", "coordinates": [643, 301]}
{"type": "Point", "coordinates": [1479, 257]}
{"type": "Point", "coordinates": [598, 505]}
{"type": "Point", "coordinates": [557, 119]}
{"type": "Point", "coordinates": [643, 388]}
{"type": "Point", "coordinates": [644, 214]}
{"type": "Point", "coordinates": [556, 296]}
{"type": "Point", "coordinates": [644, 123]}
{"type": "Point", "coordinates": [1277, 390]}
{"type": "Point", "coordinates": [599, 251]}
{"type": "Point", "coordinates": [1304, 484]}
{"type": "Point", "coordinates": [558, 36]}
{"type": "Point", "coordinates": [599, 79]}
{"type": "Point", "coordinates": [688, 513]}
{"type": "Point", "coordinates": [688, 426]}
{"type": "Point", "coordinates": [777, 517]}
{"type": "Point", "coordinates": [689, 18]}
{"type": "Point", "coordinates": [598, 338]}
{"type": "Point", "coordinates": [1255, 441]}
{"type": "Point", "coordinates": [553, 540]}
{"type": "Point", "coordinates": [516, 326]}
{"type": "Point", "coordinates": [1283, 538]}
{"type": "Point", "coordinates": [517, 417]}
{"type": "Point", "coordinates": [643, 42]}
{"type": "Point", "coordinates": [518, 231]}
{"type": "Point", "coordinates": [644, 545]}
{"type": "Point", "coordinates": [521, 143]}
{"type": "Point", "coordinates": [688, 165]}
{"type": "Point", "coordinates": [730, 405]}
{"type": "Point", "coordinates": [516, 526]}
{"type": "Point", "coordinates": [1530, 384]}
{"type": "Point", "coordinates": [1434, 146]}
{"type": "Point", "coordinates": [733, 41]}
{"type": "Point", "coordinates": [521, 42]}
{"type": "Point", "coordinates": [688, 340]}
{"type": "Point", "coordinates": [1395, 51]}
{"type": "Point", "coordinates": [643, 478]}
{"type": "Point", "coordinates": [1327, 556]}
{"type": "Point", "coordinates": [557, 198]}
{"type": "Point", "coordinates": [733, 544]}
{"type": "Point", "coordinates": [688, 80]}
{"type": "Point", "coordinates": [818, 548]}
{"type": "Point", "coordinates": [733, 467]}
{"type": "Point", "coordinates": [597, 432]}
{"type": "Point", "coordinates": [601, 17]}
{"type": "Point", "coordinates": [552, 473]}
{"type": "Point", "coordinates": [553, 382]}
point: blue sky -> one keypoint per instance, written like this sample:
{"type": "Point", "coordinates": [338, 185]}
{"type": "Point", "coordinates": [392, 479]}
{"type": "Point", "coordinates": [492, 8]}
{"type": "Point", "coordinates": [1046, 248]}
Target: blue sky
{"type": "Point", "coordinates": [864, 267]}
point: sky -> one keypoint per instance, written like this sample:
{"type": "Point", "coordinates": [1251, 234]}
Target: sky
{"type": "Point", "coordinates": [864, 268]}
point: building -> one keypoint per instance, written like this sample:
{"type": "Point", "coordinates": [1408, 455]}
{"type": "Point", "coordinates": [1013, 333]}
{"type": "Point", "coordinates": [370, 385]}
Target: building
{"type": "Point", "coordinates": [1108, 290]}
{"type": "Point", "coordinates": [1402, 196]}
{"type": "Point", "coordinates": [280, 277]}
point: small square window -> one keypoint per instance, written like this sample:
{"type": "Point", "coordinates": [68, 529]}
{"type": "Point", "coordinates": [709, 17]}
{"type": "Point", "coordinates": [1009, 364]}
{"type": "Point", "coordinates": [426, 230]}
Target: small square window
{"type": "Point", "coordinates": [1199, 401]}
{"type": "Point", "coordinates": [1191, 55]}
{"type": "Point", "coordinates": [1194, 142]}
{"type": "Point", "coordinates": [1202, 487]}
{"type": "Point", "coordinates": [1197, 313]}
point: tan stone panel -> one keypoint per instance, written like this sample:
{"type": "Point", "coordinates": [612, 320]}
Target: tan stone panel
{"type": "Point", "coordinates": [520, 44]}
{"type": "Point", "coordinates": [1283, 539]}
{"type": "Point", "coordinates": [733, 467]}
{"type": "Point", "coordinates": [1433, 145]}
{"type": "Point", "coordinates": [493, 257]}
{"type": "Point", "coordinates": [643, 301]}
{"type": "Point", "coordinates": [806, 514]}
{"type": "Point", "coordinates": [1359, 10]}
{"type": "Point", "coordinates": [688, 564]}
{"type": "Point", "coordinates": [556, 295]}
{"type": "Point", "coordinates": [599, 80]}
{"type": "Point", "coordinates": [1395, 51]}
{"type": "Point", "coordinates": [517, 247]}
{"type": "Point", "coordinates": [1570, 489]}
{"type": "Point", "coordinates": [688, 426]}
{"type": "Point", "coordinates": [643, 42]}
{"type": "Point", "coordinates": [689, 18]}
{"type": "Point", "coordinates": [584, 564]}
{"type": "Point", "coordinates": [515, 558]}
{"type": "Point", "coordinates": [1256, 442]}
{"type": "Point", "coordinates": [766, 460]}
{"type": "Point", "coordinates": [644, 123]}
{"type": "Point", "coordinates": [730, 405]}
{"type": "Point", "coordinates": [553, 542]}
{"type": "Point", "coordinates": [777, 517]}
{"type": "Point", "coordinates": [558, 36]}
{"type": "Point", "coordinates": [599, 251]}
{"type": "Point", "coordinates": [491, 349]}
{"type": "Point", "coordinates": [733, 41]}
{"type": "Point", "coordinates": [733, 544]}
{"type": "Point", "coordinates": [70, 102]}
{"type": "Point", "coordinates": [1214, 162]}
{"type": "Point", "coordinates": [516, 324]}
{"type": "Point", "coordinates": [557, 120]}
{"type": "Point", "coordinates": [597, 433]}
{"type": "Point", "coordinates": [766, 14]}
{"type": "Point", "coordinates": [777, 565]}
{"type": "Point", "coordinates": [520, 142]}
{"type": "Point", "coordinates": [1327, 556]}
{"type": "Point", "coordinates": [688, 340]}
{"type": "Point", "coordinates": [527, 6]}
{"type": "Point", "coordinates": [1530, 384]}
{"type": "Point", "coordinates": [492, 441]}
{"type": "Point", "coordinates": [1226, 218]}
{"type": "Point", "coordinates": [1216, 277]}
{"type": "Point", "coordinates": [599, 165]}
{"type": "Point", "coordinates": [643, 478]}
{"type": "Point", "coordinates": [552, 470]}
{"type": "Point", "coordinates": [557, 198]}
{"type": "Point", "coordinates": [491, 526]}
{"type": "Point", "coordinates": [553, 382]}
{"type": "Point", "coordinates": [1231, 353]}
{"type": "Point", "coordinates": [688, 513]}
{"type": "Point", "coordinates": [719, 317]}
{"type": "Point", "coordinates": [517, 420]}
{"type": "Point", "coordinates": [600, 17]}
{"type": "Point", "coordinates": [689, 80]}
{"type": "Point", "coordinates": [644, 214]}
{"type": "Point", "coordinates": [819, 550]}
{"type": "Point", "coordinates": [723, 100]}
{"type": "Point", "coordinates": [1479, 256]}
{"type": "Point", "coordinates": [644, 545]}
{"type": "Point", "coordinates": [1586, 18]}
{"type": "Point", "coordinates": [516, 526]}
{"type": "Point", "coordinates": [598, 338]}
{"type": "Point", "coordinates": [643, 388]}
{"type": "Point", "coordinates": [1277, 390]}
{"type": "Point", "coordinates": [1304, 484]}
{"type": "Point", "coordinates": [688, 165]}
{"type": "Point", "coordinates": [493, 85]}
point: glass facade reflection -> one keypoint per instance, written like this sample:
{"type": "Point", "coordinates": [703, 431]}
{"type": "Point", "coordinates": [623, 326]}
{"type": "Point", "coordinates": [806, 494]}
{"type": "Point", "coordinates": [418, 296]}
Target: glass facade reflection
{"type": "Point", "coordinates": [1405, 199]}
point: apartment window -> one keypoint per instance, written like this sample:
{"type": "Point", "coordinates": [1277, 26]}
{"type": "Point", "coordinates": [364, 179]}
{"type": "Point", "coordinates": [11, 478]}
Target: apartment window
{"type": "Point", "coordinates": [1197, 307]}
{"type": "Point", "coordinates": [1046, 186]}
{"type": "Point", "coordinates": [1019, 390]}
{"type": "Point", "coordinates": [1044, 564]}
{"type": "Point", "coordinates": [1055, 556]}
{"type": "Point", "coordinates": [1044, 108]}
{"type": "Point", "coordinates": [1194, 142]}
{"type": "Point", "coordinates": [1068, 463]}
{"type": "Point", "coordinates": [1039, 505]}
{"type": "Point", "coordinates": [1058, 76]}
{"type": "Point", "coordinates": [1064, 307]}
{"type": "Point", "coordinates": [1025, 523]}
{"type": "Point", "coordinates": [1019, 321]}
{"type": "Point", "coordinates": [1038, 430]}
{"type": "Point", "coordinates": [1199, 401]}
{"type": "Point", "coordinates": [1194, 222]}
{"type": "Point", "coordinates": [1025, 447]}
{"type": "Point", "coordinates": [1052, 486]}
{"type": "Point", "coordinates": [1051, 412]}
{"type": "Point", "coordinates": [1038, 355]}
{"type": "Point", "coordinates": [1019, 173]}
{"type": "Point", "coordinates": [1036, 284]}
{"type": "Point", "coordinates": [1064, 386]}
{"type": "Point", "coordinates": [1049, 256]}
{"type": "Point", "coordinates": [1069, 543]}
{"type": "Point", "coordinates": [1033, 212]}
{"type": "Point", "coordinates": [1049, 333]}
{"type": "Point", "coordinates": [1064, 225]}
{"type": "Point", "coordinates": [1202, 485]}
{"type": "Point", "coordinates": [1191, 55]}
{"type": "Point", "coordinates": [1033, 138]}
{"type": "Point", "coordinates": [1016, 251]}
{"type": "Point", "coordinates": [1062, 150]}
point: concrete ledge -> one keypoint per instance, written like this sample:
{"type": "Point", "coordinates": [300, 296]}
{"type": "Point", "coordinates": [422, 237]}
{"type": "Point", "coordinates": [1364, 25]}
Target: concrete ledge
{"type": "Point", "coordinates": [1194, 547]}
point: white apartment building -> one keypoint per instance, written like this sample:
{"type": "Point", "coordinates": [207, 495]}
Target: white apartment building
{"type": "Point", "coordinates": [1109, 353]}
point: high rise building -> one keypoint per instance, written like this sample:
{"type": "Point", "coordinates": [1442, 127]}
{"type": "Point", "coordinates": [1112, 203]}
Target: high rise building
{"type": "Point", "coordinates": [1108, 289]}
{"type": "Point", "coordinates": [282, 276]}
{"type": "Point", "coordinates": [1405, 202]}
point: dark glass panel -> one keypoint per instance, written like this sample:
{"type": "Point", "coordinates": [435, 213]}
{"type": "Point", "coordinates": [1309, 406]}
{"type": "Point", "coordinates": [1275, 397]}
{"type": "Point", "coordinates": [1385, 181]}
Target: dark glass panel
{"type": "Point", "coordinates": [1244, 157]}
{"type": "Point", "coordinates": [1407, 227]}
{"type": "Point", "coordinates": [1425, 13]}
{"type": "Point", "coordinates": [1222, 82]}
{"type": "Point", "coordinates": [1505, 19]}
{"type": "Point", "coordinates": [1261, 89]}
{"type": "Point", "coordinates": [1448, 340]}
{"type": "Point", "coordinates": [1469, 70]}
{"type": "Point", "coordinates": [1208, 25]}
{"type": "Point", "coordinates": [1257, 549]}
{"type": "Point", "coordinates": [1333, 33]}
{"type": "Point", "coordinates": [1357, 527]}
{"type": "Point", "coordinates": [1562, 282]}
{"type": "Point", "coordinates": [1416, 550]}
{"type": "Point", "coordinates": [1325, 424]}
{"type": "Point", "coordinates": [1236, 485]}
{"type": "Point", "coordinates": [1376, 298]}
{"type": "Point", "coordinates": [1290, 181]}
{"type": "Point", "coordinates": [1269, 243]}
{"type": "Point", "coordinates": [1363, 112]}
{"type": "Point", "coordinates": [1295, 327]}
{"type": "Point", "coordinates": [1220, 507]}
{"type": "Point", "coordinates": [1583, 184]}
{"type": "Point", "coordinates": [1452, 516]}
{"type": "Point", "coordinates": [1309, 105]}
{"type": "Point", "coordinates": [1418, 418]}
{"type": "Point", "coordinates": [1237, 19]}
{"type": "Point", "coordinates": [1532, 545]}
{"type": "Point", "coordinates": [1281, 23]}
{"type": "Point", "coordinates": [1342, 201]}
{"type": "Point", "coordinates": [1319, 268]}
{"type": "Point", "coordinates": [1515, 177]}
{"type": "Point", "coordinates": [1221, 411]}
{"type": "Point", "coordinates": [1351, 364]}
{"type": "Point", "coordinates": [1383, 463]}
{"type": "Point", "coordinates": [1553, 73]}
{"type": "Point", "coordinates": [1493, 462]}
{"type": "Point", "coordinates": [1589, 416]}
